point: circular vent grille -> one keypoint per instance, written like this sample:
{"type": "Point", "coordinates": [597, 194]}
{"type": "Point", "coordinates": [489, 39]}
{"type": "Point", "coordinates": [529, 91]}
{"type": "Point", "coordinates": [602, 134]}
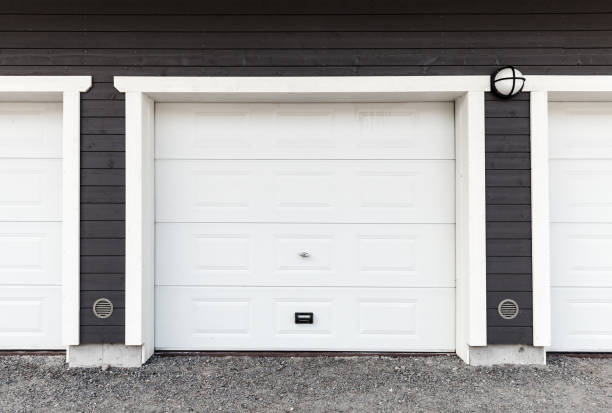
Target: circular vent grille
{"type": "Point", "coordinates": [508, 309]}
{"type": "Point", "coordinates": [102, 308]}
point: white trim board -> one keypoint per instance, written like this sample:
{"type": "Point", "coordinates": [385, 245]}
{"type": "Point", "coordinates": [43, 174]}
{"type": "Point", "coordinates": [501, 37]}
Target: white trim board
{"type": "Point", "coordinates": [571, 88]}
{"type": "Point", "coordinates": [303, 89]}
{"type": "Point", "coordinates": [301, 84]}
{"type": "Point", "coordinates": [40, 84]}
{"type": "Point", "coordinates": [65, 89]}
{"type": "Point", "coordinates": [466, 91]}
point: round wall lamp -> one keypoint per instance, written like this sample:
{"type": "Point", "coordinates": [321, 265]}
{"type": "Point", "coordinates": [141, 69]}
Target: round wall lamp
{"type": "Point", "coordinates": [507, 82]}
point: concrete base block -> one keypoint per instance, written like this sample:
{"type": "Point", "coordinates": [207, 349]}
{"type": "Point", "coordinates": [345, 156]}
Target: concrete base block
{"type": "Point", "coordinates": [507, 354]}
{"type": "Point", "coordinates": [100, 355]}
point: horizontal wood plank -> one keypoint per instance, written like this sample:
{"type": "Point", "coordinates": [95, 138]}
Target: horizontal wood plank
{"type": "Point", "coordinates": [108, 264]}
{"type": "Point", "coordinates": [102, 334]}
{"type": "Point", "coordinates": [103, 229]}
{"type": "Point", "coordinates": [507, 108]}
{"type": "Point", "coordinates": [310, 7]}
{"type": "Point", "coordinates": [106, 282]}
{"type": "Point", "coordinates": [252, 56]}
{"type": "Point", "coordinates": [103, 143]}
{"type": "Point", "coordinates": [509, 265]}
{"type": "Point", "coordinates": [103, 177]}
{"type": "Point", "coordinates": [307, 23]}
{"type": "Point", "coordinates": [508, 213]}
{"type": "Point", "coordinates": [508, 230]}
{"type": "Point", "coordinates": [309, 40]}
{"type": "Point", "coordinates": [509, 282]}
{"type": "Point", "coordinates": [102, 194]}
{"type": "Point", "coordinates": [509, 248]}
{"type": "Point", "coordinates": [507, 126]}
{"type": "Point", "coordinates": [510, 335]}
{"type": "Point", "coordinates": [508, 178]}
{"type": "Point", "coordinates": [499, 161]}
{"type": "Point", "coordinates": [507, 143]}
{"type": "Point", "coordinates": [109, 108]}
{"type": "Point", "coordinates": [103, 212]}
{"type": "Point", "coordinates": [103, 247]}
{"type": "Point", "coordinates": [508, 196]}
{"type": "Point", "coordinates": [103, 160]}
{"type": "Point", "coordinates": [103, 125]}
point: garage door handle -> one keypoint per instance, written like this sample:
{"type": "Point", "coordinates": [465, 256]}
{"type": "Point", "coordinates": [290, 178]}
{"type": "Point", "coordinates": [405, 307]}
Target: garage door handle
{"type": "Point", "coordinates": [304, 318]}
{"type": "Point", "coordinates": [304, 254]}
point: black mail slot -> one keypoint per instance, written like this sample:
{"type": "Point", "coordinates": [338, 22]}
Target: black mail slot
{"type": "Point", "coordinates": [304, 318]}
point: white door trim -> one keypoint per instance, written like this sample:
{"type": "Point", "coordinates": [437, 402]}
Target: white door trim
{"type": "Point", "coordinates": [466, 91]}
{"type": "Point", "coordinates": [65, 89]}
{"type": "Point", "coordinates": [545, 89]}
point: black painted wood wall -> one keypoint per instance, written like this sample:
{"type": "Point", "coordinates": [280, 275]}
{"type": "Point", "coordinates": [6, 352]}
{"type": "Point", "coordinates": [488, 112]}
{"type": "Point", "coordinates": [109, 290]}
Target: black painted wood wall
{"type": "Point", "coordinates": [508, 194]}
{"type": "Point", "coordinates": [317, 37]}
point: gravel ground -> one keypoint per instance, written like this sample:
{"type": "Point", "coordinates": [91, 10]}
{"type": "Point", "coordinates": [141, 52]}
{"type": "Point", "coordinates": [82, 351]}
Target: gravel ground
{"type": "Point", "coordinates": [306, 384]}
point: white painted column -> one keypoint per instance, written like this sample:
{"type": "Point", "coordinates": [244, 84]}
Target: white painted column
{"type": "Point", "coordinates": [540, 222]}
{"type": "Point", "coordinates": [71, 155]}
{"type": "Point", "coordinates": [471, 281]}
{"type": "Point", "coordinates": [139, 230]}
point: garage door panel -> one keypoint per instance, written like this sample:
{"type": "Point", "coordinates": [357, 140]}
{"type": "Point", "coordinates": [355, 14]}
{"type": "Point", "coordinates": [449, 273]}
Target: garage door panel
{"type": "Point", "coordinates": [34, 319]}
{"type": "Point", "coordinates": [271, 254]}
{"type": "Point", "coordinates": [31, 190]}
{"type": "Point", "coordinates": [581, 229]}
{"type": "Point", "coordinates": [581, 255]}
{"type": "Point", "coordinates": [30, 253]}
{"type": "Point", "coordinates": [581, 130]}
{"type": "Point", "coordinates": [580, 191]}
{"type": "Point", "coordinates": [30, 130]}
{"type": "Point", "coordinates": [267, 210]}
{"type": "Point", "coordinates": [343, 319]}
{"type": "Point", "coordinates": [582, 319]}
{"type": "Point", "coordinates": [305, 191]}
{"type": "Point", "coordinates": [30, 225]}
{"type": "Point", "coordinates": [421, 130]}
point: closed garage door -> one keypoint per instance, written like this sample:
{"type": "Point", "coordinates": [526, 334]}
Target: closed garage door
{"type": "Point", "coordinates": [340, 213]}
{"type": "Point", "coordinates": [30, 225]}
{"type": "Point", "coordinates": [581, 231]}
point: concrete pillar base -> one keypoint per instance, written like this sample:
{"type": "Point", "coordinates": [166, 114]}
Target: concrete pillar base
{"type": "Point", "coordinates": [507, 354]}
{"type": "Point", "coordinates": [100, 355]}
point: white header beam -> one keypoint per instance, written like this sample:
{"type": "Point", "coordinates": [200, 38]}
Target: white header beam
{"type": "Point", "coordinates": [302, 85]}
{"type": "Point", "coordinates": [41, 84]}
{"type": "Point", "coordinates": [568, 84]}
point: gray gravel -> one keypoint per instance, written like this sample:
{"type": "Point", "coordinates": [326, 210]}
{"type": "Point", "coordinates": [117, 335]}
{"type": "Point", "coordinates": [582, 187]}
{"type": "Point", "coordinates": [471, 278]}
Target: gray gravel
{"type": "Point", "coordinates": [305, 384]}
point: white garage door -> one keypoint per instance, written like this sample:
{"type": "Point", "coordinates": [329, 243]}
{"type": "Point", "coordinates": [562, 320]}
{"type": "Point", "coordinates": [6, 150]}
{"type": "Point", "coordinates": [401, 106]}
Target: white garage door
{"type": "Point", "coordinates": [30, 225]}
{"type": "Point", "coordinates": [581, 231]}
{"type": "Point", "coordinates": [340, 211]}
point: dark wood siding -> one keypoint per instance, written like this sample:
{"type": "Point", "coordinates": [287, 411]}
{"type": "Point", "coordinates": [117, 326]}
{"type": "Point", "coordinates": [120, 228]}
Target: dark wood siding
{"type": "Point", "coordinates": [508, 180]}
{"type": "Point", "coordinates": [318, 37]}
